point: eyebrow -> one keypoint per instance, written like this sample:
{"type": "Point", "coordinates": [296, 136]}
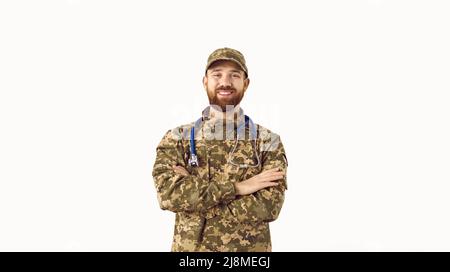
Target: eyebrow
{"type": "Point", "coordinates": [220, 69]}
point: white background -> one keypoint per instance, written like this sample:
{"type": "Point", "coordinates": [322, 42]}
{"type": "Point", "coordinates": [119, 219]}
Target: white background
{"type": "Point", "coordinates": [358, 91]}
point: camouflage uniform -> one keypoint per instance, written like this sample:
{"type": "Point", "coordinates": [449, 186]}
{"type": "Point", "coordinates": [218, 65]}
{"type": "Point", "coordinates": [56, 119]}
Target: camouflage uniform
{"type": "Point", "coordinates": [209, 215]}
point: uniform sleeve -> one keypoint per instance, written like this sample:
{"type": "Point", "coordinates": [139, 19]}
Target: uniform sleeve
{"type": "Point", "coordinates": [179, 193]}
{"type": "Point", "coordinates": [264, 205]}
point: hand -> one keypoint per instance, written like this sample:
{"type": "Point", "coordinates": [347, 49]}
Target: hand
{"type": "Point", "coordinates": [180, 170]}
{"type": "Point", "coordinates": [263, 180]}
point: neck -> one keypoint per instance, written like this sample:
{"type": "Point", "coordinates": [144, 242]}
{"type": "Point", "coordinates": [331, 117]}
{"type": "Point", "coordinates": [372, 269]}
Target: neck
{"type": "Point", "coordinates": [215, 112]}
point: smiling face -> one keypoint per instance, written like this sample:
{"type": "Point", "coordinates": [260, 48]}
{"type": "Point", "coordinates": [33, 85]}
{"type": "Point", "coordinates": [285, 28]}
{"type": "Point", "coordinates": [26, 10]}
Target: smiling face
{"type": "Point", "coordinates": [225, 83]}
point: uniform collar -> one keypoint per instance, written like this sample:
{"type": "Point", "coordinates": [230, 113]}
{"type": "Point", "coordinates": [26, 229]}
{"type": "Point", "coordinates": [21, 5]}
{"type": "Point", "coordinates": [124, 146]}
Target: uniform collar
{"type": "Point", "coordinates": [226, 122]}
{"type": "Point", "coordinates": [213, 113]}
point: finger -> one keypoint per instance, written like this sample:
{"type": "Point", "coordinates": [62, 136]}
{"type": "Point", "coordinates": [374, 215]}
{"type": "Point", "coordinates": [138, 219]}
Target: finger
{"type": "Point", "coordinates": [180, 168]}
{"type": "Point", "coordinates": [270, 178]}
{"type": "Point", "coordinates": [181, 173]}
{"type": "Point", "coordinates": [268, 173]}
{"type": "Point", "coordinates": [273, 175]}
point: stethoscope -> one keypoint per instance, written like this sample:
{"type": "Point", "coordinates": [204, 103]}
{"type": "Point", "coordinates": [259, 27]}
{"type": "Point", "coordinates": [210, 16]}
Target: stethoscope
{"type": "Point", "coordinates": [193, 161]}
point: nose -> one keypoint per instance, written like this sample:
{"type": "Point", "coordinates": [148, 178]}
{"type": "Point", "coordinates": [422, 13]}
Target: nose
{"type": "Point", "coordinates": [225, 81]}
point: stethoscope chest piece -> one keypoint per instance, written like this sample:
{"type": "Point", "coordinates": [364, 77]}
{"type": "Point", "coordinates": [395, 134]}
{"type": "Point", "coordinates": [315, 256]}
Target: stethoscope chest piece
{"type": "Point", "coordinates": [193, 160]}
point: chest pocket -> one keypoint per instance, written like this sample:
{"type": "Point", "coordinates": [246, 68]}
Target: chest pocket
{"type": "Point", "coordinates": [243, 162]}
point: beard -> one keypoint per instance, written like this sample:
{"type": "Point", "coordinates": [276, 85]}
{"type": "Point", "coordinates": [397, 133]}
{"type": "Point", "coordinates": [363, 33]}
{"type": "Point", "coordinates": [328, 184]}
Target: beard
{"type": "Point", "coordinates": [231, 101]}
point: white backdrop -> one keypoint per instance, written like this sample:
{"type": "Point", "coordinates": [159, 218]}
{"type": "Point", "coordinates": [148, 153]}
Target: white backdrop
{"type": "Point", "coordinates": [358, 91]}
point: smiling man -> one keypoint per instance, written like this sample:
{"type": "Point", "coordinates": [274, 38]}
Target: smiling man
{"type": "Point", "coordinates": [223, 175]}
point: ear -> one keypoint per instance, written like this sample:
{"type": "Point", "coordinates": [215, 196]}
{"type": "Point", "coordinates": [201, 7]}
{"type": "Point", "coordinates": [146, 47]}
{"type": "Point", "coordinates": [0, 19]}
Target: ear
{"type": "Point", "coordinates": [246, 83]}
{"type": "Point", "coordinates": [205, 82]}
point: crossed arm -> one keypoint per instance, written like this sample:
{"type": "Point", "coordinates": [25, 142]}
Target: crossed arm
{"type": "Point", "coordinates": [260, 181]}
{"type": "Point", "coordinates": [256, 199]}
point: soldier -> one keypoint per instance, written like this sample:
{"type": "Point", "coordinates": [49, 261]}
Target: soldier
{"type": "Point", "coordinates": [223, 176]}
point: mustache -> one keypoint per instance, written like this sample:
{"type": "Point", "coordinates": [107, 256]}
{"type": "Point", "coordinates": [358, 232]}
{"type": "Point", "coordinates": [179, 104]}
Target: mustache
{"type": "Point", "coordinates": [225, 89]}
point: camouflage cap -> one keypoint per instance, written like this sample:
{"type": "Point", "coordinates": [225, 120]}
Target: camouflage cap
{"type": "Point", "coordinates": [226, 53]}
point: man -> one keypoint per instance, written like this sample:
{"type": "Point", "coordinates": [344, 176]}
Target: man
{"type": "Point", "coordinates": [228, 183]}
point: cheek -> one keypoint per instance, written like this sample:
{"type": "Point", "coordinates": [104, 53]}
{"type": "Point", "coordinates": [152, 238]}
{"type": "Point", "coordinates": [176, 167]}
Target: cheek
{"type": "Point", "coordinates": [210, 88]}
{"type": "Point", "coordinates": [212, 84]}
{"type": "Point", "coordinates": [238, 84]}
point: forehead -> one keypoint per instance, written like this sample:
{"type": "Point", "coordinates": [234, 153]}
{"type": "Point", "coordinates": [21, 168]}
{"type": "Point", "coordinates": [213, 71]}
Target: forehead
{"type": "Point", "coordinates": [224, 65]}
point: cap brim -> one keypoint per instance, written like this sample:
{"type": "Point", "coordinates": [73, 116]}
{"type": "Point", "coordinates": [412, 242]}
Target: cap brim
{"type": "Point", "coordinates": [230, 59]}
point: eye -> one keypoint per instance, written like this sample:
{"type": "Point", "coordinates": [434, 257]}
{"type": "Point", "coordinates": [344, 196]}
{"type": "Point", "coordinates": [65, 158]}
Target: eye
{"type": "Point", "coordinates": [236, 75]}
{"type": "Point", "coordinates": [216, 75]}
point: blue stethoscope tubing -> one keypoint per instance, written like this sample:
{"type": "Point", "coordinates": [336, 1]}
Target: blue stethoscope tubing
{"type": "Point", "coordinates": [193, 161]}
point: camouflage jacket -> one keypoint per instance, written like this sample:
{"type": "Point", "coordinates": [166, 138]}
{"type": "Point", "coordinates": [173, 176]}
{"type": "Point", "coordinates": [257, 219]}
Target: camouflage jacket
{"type": "Point", "coordinates": [209, 215]}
